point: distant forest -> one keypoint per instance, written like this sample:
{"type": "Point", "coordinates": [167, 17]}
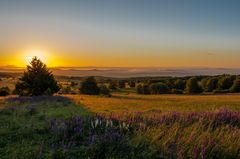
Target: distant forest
{"type": "Point", "coordinates": [153, 85]}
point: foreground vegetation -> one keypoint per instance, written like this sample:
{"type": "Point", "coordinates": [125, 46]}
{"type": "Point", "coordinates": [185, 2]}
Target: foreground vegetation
{"type": "Point", "coordinates": [57, 127]}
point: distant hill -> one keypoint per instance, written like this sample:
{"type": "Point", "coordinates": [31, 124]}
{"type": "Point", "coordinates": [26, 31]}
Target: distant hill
{"type": "Point", "coordinates": [123, 72]}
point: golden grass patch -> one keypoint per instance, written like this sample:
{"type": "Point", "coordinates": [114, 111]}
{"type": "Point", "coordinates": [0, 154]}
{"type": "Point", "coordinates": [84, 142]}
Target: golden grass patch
{"type": "Point", "coordinates": [157, 103]}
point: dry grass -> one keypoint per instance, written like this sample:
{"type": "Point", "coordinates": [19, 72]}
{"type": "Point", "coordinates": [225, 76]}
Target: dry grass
{"type": "Point", "coordinates": [158, 103]}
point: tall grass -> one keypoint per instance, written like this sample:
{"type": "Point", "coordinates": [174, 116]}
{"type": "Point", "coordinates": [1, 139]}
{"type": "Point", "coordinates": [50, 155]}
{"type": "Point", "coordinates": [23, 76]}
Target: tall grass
{"type": "Point", "coordinates": [173, 135]}
{"type": "Point", "coordinates": [55, 127]}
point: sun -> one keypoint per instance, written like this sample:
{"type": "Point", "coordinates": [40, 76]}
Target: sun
{"type": "Point", "coordinates": [28, 56]}
{"type": "Point", "coordinates": [24, 57]}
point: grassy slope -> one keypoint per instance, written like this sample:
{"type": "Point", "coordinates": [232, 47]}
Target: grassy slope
{"type": "Point", "coordinates": [23, 123]}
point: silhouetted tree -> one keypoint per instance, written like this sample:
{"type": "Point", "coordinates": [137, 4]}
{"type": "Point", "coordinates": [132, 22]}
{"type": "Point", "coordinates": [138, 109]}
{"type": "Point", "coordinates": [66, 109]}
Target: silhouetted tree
{"type": "Point", "coordinates": [211, 84]}
{"type": "Point", "coordinates": [169, 83]}
{"type": "Point", "coordinates": [192, 86]}
{"type": "Point", "coordinates": [37, 80]}
{"type": "Point", "coordinates": [4, 91]}
{"type": "Point", "coordinates": [112, 85]}
{"type": "Point", "coordinates": [225, 82]}
{"type": "Point", "coordinates": [159, 88]}
{"type": "Point", "coordinates": [180, 84]}
{"type": "Point", "coordinates": [139, 89]}
{"type": "Point", "coordinates": [132, 84]}
{"type": "Point", "coordinates": [236, 86]}
{"type": "Point", "coordinates": [143, 89]}
{"type": "Point", "coordinates": [203, 83]}
{"type": "Point", "coordinates": [89, 86]}
{"type": "Point", "coordinates": [121, 84]}
{"type": "Point", "coordinates": [73, 84]}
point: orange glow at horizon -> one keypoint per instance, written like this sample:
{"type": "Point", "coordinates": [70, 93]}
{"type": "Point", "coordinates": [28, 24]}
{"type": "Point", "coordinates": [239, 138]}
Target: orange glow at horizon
{"type": "Point", "coordinates": [82, 58]}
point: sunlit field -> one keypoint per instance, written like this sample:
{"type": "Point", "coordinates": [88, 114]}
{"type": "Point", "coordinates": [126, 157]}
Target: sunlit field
{"type": "Point", "coordinates": [120, 102]}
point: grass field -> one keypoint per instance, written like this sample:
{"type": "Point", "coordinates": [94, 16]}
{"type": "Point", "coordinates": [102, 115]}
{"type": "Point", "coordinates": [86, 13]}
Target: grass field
{"type": "Point", "coordinates": [66, 127]}
{"type": "Point", "coordinates": [157, 103]}
{"type": "Point", "coordinates": [176, 126]}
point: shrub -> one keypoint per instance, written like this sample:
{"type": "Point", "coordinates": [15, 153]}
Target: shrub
{"type": "Point", "coordinates": [225, 82]}
{"type": "Point", "coordinates": [112, 85]}
{"type": "Point", "coordinates": [169, 83]}
{"type": "Point", "coordinates": [159, 88]}
{"type": "Point", "coordinates": [143, 89]}
{"type": "Point", "coordinates": [203, 83]}
{"type": "Point", "coordinates": [73, 84]}
{"type": "Point", "coordinates": [192, 86]}
{"type": "Point", "coordinates": [180, 84]}
{"type": "Point", "coordinates": [37, 80]}
{"type": "Point", "coordinates": [65, 90]}
{"type": "Point", "coordinates": [139, 89]}
{"type": "Point", "coordinates": [89, 86]}
{"type": "Point", "coordinates": [146, 89]}
{"type": "Point", "coordinates": [104, 90]}
{"type": "Point", "coordinates": [236, 86]}
{"type": "Point", "coordinates": [4, 91]}
{"type": "Point", "coordinates": [211, 84]}
{"type": "Point", "coordinates": [132, 84]}
{"type": "Point", "coordinates": [121, 84]}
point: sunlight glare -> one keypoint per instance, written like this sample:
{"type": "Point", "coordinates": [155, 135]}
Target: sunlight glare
{"type": "Point", "coordinates": [39, 54]}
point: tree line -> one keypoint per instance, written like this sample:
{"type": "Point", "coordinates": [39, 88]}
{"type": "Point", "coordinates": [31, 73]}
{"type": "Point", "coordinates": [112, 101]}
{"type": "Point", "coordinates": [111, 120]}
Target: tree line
{"type": "Point", "coordinates": [38, 80]}
{"type": "Point", "coordinates": [192, 85]}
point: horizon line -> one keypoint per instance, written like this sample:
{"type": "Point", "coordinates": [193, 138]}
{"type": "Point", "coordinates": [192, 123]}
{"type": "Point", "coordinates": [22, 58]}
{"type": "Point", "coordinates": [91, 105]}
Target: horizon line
{"type": "Point", "coordinates": [150, 67]}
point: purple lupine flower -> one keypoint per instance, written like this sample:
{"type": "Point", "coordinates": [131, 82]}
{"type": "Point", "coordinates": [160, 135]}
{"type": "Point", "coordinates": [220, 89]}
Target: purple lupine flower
{"type": "Point", "coordinates": [195, 152]}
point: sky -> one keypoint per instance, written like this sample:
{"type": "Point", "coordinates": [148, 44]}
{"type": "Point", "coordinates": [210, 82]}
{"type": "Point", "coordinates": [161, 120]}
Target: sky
{"type": "Point", "coordinates": [121, 33]}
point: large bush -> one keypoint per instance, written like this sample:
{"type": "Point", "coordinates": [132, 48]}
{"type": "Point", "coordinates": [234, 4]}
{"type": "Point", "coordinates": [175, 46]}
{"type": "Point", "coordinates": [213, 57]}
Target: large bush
{"type": "Point", "coordinates": [132, 84]}
{"type": "Point", "coordinates": [140, 89]}
{"type": "Point", "coordinates": [112, 85]}
{"type": "Point", "coordinates": [236, 86]}
{"type": "Point", "coordinates": [180, 84]}
{"type": "Point", "coordinates": [37, 80]}
{"type": "Point", "coordinates": [159, 88]}
{"type": "Point", "coordinates": [143, 89]}
{"type": "Point", "coordinates": [225, 82]}
{"type": "Point", "coordinates": [121, 84]}
{"type": "Point", "coordinates": [4, 91]}
{"type": "Point", "coordinates": [192, 86]}
{"type": "Point", "coordinates": [211, 84]}
{"type": "Point", "coordinates": [89, 86]}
